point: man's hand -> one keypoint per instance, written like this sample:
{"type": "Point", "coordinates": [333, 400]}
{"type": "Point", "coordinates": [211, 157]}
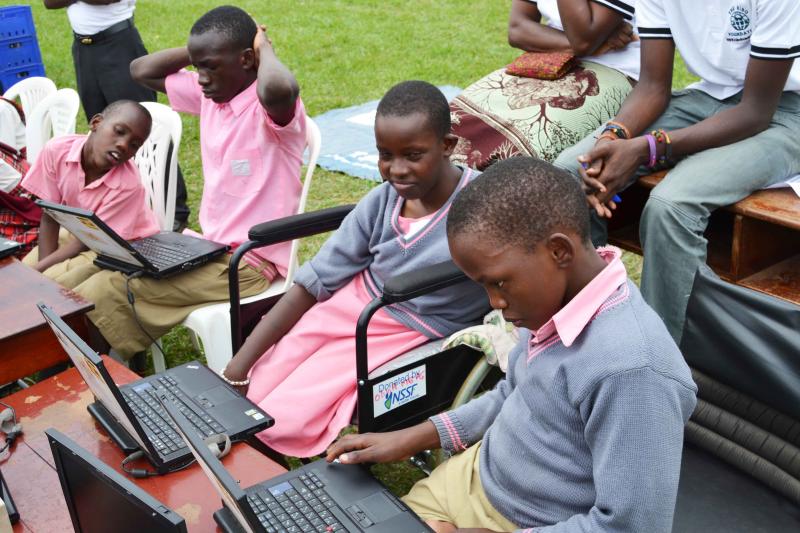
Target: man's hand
{"type": "Point", "coordinates": [261, 40]}
{"type": "Point", "coordinates": [609, 166]}
{"type": "Point", "coordinates": [619, 39]}
{"type": "Point", "coordinates": [384, 447]}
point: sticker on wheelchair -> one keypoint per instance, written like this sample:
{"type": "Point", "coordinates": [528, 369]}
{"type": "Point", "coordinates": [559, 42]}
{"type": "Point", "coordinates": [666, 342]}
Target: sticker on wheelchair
{"type": "Point", "coordinates": [398, 390]}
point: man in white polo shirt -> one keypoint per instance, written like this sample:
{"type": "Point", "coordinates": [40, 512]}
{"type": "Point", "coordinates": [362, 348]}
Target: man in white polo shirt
{"type": "Point", "coordinates": [735, 131]}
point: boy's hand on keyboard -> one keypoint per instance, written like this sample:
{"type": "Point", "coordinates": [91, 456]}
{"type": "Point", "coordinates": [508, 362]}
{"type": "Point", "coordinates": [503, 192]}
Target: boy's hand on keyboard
{"type": "Point", "coordinates": [384, 447]}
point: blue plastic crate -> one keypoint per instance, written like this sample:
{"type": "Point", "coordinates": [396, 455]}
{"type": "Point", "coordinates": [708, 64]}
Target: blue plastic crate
{"type": "Point", "coordinates": [16, 21]}
{"type": "Point", "coordinates": [11, 76]}
{"type": "Point", "coordinates": [19, 52]}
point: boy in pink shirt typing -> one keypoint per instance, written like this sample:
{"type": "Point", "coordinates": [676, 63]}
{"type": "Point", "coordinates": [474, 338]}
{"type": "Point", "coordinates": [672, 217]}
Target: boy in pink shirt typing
{"type": "Point", "coordinates": [92, 172]}
{"type": "Point", "coordinates": [252, 136]}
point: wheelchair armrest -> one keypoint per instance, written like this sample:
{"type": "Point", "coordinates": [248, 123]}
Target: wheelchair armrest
{"type": "Point", "coordinates": [298, 226]}
{"type": "Point", "coordinates": [423, 281]}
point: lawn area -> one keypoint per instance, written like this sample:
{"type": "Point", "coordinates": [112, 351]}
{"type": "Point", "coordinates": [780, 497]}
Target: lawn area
{"type": "Point", "coordinates": [343, 52]}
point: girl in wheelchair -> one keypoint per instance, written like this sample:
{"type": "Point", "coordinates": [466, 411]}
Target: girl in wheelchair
{"type": "Point", "coordinates": [299, 362]}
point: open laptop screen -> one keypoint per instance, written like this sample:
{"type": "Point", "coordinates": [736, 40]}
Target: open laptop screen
{"type": "Point", "coordinates": [90, 234]}
{"type": "Point", "coordinates": [100, 499]}
{"type": "Point", "coordinates": [227, 487]}
{"type": "Point", "coordinates": [87, 361]}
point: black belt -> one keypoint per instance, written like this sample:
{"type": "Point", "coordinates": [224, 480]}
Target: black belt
{"type": "Point", "coordinates": [105, 34]}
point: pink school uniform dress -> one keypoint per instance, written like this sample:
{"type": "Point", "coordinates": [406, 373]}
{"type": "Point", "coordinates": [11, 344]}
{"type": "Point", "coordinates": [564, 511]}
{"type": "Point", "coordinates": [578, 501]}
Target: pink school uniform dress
{"type": "Point", "coordinates": [251, 166]}
{"type": "Point", "coordinates": [118, 197]}
{"type": "Point", "coordinates": [307, 381]}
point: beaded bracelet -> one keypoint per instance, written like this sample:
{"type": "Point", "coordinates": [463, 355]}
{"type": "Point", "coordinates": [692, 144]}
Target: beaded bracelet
{"type": "Point", "coordinates": [225, 378]}
{"type": "Point", "coordinates": [651, 142]}
{"type": "Point", "coordinates": [662, 137]}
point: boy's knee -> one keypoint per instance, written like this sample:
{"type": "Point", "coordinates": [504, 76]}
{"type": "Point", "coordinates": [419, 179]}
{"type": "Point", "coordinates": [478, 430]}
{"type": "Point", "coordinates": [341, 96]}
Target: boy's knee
{"type": "Point", "coordinates": [663, 214]}
{"type": "Point", "coordinates": [568, 160]}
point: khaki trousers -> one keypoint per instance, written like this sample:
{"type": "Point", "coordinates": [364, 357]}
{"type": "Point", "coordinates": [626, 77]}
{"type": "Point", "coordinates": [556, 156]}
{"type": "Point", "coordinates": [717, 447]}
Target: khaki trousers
{"type": "Point", "coordinates": [453, 494]}
{"type": "Point", "coordinates": [160, 304]}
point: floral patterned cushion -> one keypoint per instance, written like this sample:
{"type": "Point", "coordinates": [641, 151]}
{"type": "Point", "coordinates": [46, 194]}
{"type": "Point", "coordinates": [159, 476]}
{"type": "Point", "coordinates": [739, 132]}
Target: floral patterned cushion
{"type": "Point", "coordinates": [542, 65]}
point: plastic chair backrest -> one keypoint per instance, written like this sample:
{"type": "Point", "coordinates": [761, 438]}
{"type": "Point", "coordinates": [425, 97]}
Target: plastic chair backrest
{"type": "Point", "coordinates": [53, 117]}
{"type": "Point", "coordinates": [30, 91]}
{"type": "Point", "coordinates": [157, 160]}
{"type": "Point", "coordinates": [313, 145]}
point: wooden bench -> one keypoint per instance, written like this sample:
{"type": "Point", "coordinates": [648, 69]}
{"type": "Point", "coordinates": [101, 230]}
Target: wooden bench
{"type": "Point", "coordinates": [754, 243]}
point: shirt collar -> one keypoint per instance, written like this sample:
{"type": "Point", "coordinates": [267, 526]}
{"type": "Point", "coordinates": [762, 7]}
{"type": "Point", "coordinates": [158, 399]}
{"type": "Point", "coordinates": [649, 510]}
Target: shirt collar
{"type": "Point", "coordinates": [244, 99]}
{"type": "Point", "coordinates": [571, 319]}
{"type": "Point", "coordinates": [110, 179]}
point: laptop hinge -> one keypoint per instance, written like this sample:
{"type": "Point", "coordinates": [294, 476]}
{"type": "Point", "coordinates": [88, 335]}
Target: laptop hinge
{"type": "Point", "coordinates": [114, 429]}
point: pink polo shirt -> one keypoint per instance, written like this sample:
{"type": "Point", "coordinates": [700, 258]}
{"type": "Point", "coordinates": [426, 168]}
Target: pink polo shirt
{"type": "Point", "coordinates": [251, 166]}
{"type": "Point", "coordinates": [571, 319]}
{"type": "Point", "coordinates": [118, 197]}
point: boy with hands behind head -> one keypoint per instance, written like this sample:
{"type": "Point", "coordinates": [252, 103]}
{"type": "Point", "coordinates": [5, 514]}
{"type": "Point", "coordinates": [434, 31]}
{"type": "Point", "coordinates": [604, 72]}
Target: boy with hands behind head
{"type": "Point", "coordinates": [252, 136]}
{"type": "Point", "coordinates": [586, 430]}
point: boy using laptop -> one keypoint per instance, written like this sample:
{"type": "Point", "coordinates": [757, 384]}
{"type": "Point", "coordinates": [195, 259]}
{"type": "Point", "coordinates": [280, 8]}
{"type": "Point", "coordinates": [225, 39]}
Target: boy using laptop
{"type": "Point", "coordinates": [585, 432]}
{"type": "Point", "coordinates": [252, 136]}
{"type": "Point", "coordinates": [93, 172]}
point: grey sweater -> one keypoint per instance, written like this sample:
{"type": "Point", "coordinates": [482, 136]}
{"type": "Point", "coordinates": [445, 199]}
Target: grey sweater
{"type": "Point", "coordinates": [585, 438]}
{"type": "Point", "coordinates": [370, 241]}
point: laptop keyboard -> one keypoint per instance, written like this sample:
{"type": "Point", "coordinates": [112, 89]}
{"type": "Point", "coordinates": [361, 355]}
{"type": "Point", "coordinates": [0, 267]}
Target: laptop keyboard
{"type": "Point", "coordinates": [161, 255]}
{"type": "Point", "coordinates": [299, 505]}
{"type": "Point", "coordinates": [159, 427]}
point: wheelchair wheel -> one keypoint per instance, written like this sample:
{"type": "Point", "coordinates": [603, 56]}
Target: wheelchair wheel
{"type": "Point", "coordinates": [482, 378]}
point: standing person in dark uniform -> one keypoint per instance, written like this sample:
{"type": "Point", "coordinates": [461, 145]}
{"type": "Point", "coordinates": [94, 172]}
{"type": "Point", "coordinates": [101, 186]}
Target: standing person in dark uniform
{"type": "Point", "coordinates": [106, 41]}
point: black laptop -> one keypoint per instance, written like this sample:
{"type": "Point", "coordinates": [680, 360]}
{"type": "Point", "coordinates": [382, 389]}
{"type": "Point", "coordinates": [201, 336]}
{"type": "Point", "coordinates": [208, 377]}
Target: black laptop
{"type": "Point", "coordinates": [316, 497]}
{"type": "Point", "coordinates": [99, 499]}
{"type": "Point", "coordinates": [8, 247]}
{"type": "Point", "coordinates": [157, 256]}
{"type": "Point", "coordinates": [132, 414]}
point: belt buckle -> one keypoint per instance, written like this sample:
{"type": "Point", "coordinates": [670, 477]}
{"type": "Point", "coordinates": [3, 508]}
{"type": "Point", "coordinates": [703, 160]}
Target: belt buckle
{"type": "Point", "coordinates": [86, 40]}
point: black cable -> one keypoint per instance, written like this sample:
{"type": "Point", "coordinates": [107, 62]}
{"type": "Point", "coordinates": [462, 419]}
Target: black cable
{"type": "Point", "coordinates": [131, 300]}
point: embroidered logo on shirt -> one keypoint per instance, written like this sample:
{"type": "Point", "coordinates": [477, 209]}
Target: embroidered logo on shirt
{"type": "Point", "coordinates": [240, 167]}
{"type": "Point", "coordinates": [740, 24]}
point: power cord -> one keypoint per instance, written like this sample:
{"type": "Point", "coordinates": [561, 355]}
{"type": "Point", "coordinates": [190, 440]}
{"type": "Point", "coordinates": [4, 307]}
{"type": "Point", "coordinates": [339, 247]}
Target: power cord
{"type": "Point", "coordinates": [132, 301]}
{"type": "Point", "coordinates": [12, 432]}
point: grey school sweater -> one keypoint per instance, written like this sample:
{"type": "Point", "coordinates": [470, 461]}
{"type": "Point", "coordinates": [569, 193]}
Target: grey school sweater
{"type": "Point", "coordinates": [585, 438]}
{"type": "Point", "coordinates": [370, 241]}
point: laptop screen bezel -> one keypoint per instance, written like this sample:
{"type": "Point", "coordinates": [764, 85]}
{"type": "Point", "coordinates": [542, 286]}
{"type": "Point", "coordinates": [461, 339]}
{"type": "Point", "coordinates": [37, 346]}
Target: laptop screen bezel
{"type": "Point", "coordinates": [95, 360]}
{"type": "Point", "coordinates": [224, 481]}
{"type": "Point", "coordinates": [60, 445]}
{"type": "Point", "coordinates": [102, 226]}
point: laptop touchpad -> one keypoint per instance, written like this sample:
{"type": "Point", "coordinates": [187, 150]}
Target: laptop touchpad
{"type": "Point", "coordinates": [379, 506]}
{"type": "Point", "coordinates": [215, 396]}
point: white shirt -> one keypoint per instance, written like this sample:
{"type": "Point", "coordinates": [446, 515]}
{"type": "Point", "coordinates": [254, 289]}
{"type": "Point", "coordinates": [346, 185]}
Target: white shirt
{"type": "Point", "coordinates": [625, 60]}
{"type": "Point", "coordinates": [87, 19]}
{"type": "Point", "coordinates": [717, 38]}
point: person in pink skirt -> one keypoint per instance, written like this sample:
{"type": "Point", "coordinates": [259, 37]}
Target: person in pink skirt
{"type": "Point", "coordinates": [299, 362]}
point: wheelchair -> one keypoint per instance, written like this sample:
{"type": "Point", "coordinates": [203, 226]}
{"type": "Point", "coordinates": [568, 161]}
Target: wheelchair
{"type": "Point", "coordinates": [404, 391]}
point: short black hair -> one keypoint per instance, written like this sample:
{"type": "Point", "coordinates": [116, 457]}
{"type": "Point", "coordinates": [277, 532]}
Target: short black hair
{"type": "Point", "coordinates": [520, 202]}
{"type": "Point", "coordinates": [409, 97]}
{"type": "Point", "coordinates": [234, 24]}
{"type": "Point", "coordinates": [117, 105]}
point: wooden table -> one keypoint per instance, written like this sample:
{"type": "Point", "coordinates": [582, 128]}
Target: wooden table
{"type": "Point", "coordinates": [26, 343]}
{"type": "Point", "coordinates": [60, 402]}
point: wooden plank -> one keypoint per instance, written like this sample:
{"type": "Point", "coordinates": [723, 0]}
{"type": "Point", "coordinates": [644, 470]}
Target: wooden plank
{"type": "Point", "coordinates": [781, 280]}
{"type": "Point", "coordinates": [21, 287]}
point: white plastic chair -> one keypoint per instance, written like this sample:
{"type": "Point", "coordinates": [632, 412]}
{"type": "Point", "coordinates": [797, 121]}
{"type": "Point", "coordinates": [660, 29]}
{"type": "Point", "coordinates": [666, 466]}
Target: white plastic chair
{"type": "Point", "coordinates": [212, 324]}
{"type": "Point", "coordinates": [156, 165]}
{"type": "Point", "coordinates": [30, 92]}
{"type": "Point", "coordinates": [53, 117]}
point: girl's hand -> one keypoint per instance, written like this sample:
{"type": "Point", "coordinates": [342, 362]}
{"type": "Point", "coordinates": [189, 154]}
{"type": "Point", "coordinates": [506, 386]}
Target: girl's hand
{"type": "Point", "coordinates": [236, 371]}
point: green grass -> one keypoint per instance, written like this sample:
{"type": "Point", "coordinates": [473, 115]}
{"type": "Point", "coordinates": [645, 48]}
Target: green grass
{"type": "Point", "coordinates": [343, 52]}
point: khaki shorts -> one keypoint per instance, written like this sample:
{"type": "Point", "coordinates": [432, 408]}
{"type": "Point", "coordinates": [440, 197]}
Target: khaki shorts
{"type": "Point", "coordinates": [453, 494]}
